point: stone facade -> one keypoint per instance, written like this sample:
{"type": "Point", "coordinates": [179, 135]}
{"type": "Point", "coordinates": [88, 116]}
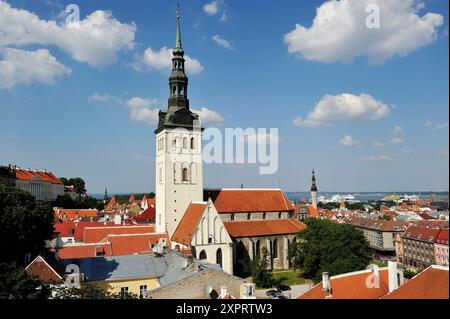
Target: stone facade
{"type": "Point", "coordinates": [195, 287]}
{"type": "Point", "coordinates": [247, 249]}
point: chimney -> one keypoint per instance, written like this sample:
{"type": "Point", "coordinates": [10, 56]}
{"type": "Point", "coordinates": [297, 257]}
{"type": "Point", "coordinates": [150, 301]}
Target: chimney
{"type": "Point", "coordinates": [44, 170]}
{"type": "Point", "coordinates": [325, 281]}
{"type": "Point", "coordinates": [376, 271]}
{"type": "Point", "coordinates": [393, 275]}
{"type": "Point", "coordinates": [223, 292]}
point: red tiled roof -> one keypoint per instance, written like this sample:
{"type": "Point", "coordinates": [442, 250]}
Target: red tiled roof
{"type": "Point", "coordinates": [147, 215]}
{"type": "Point", "coordinates": [378, 224]}
{"type": "Point", "coordinates": [97, 234]}
{"type": "Point", "coordinates": [24, 174]}
{"type": "Point", "coordinates": [251, 228]}
{"type": "Point", "coordinates": [42, 269]}
{"type": "Point", "coordinates": [188, 224]}
{"type": "Point", "coordinates": [442, 238]}
{"type": "Point", "coordinates": [76, 229]}
{"type": "Point", "coordinates": [249, 200]}
{"type": "Point", "coordinates": [432, 283]}
{"type": "Point", "coordinates": [123, 245]}
{"type": "Point", "coordinates": [71, 214]}
{"type": "Point", "coordinates": [421, 233]}
{"type": "Point", "coordinates": [352, 286]}
{"type": "Point", "coordinates": [313, 212]}
{"type": "Point", "coordinates": [110, 206]}
{"type": "Point", "coordinates": [83, 251]}
{"type": "Point", "coordinates": [440, 224]}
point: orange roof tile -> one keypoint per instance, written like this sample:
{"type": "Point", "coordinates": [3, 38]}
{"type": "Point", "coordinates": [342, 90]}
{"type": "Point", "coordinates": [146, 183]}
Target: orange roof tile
{"type": "Point", "coordinates": [352, 286]}
{"type": "Point", "coordinates": [313, 212]}
{"type": "Point", "coordinates": [188, 224]}
{"type": "Point", "coordinates": [83, 251]}
{"type": "Point", "coordinates": [123, 245]}
{"type": "Point", "coordinates": [442, 237]}
{"type": "Point", "coordinates": [378, 224]}
{"type": "Point", "coordinates": [71, 214]}
{"type": "Point", "coordinates": [249, 200]}
{"type": "Point", "coordinates": [97, 234]}
{"type": "Point", "coordinates": [251, 228]}
{"type": "Point", "coordinates": [421, 233]}
{"type": "Point", "coordinates": [24, 174]}
{"type": "Point", "coordinates": [432, 283]}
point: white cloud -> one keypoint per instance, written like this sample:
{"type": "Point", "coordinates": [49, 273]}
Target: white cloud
{"type": "Point", "coordinates": [436, 126]}
{"type": "Point", "coordinates": [145, 115]}
{"type": "Point", "coordinates": [211, 8]}
{"type": "Point", "coordinates": [104, 98]}
{"type": "Point", "coordinates": [262, 139]}
{"type": "Point", "coordinates": [378, 158]}
{"type": "Point", "coordinates": [347, 140]}
{"type": "Point", "coordinates": [339, 31]}
{"type": "Point", "coordinates": [209, 116]}
{"type": "Point", "coordinates": [19, 66]}
{"type": "Point", "coordinates": [343, 107]}
{"type": "Point", "coordinates": [398, 130]}
{"type": "Point", "coordinates": [222, 42]}
{"type": "Point", "coordinates": [95, 40]}
{"type": "Point", "coordinates": [396, 140]}
{"type": "Point", "coordinates": [162, 61]}
{"type": "Point", "coordinates": [377, 144]}
{"type": "Point", "coordinates": [405, 151]}
{"type": "Point", "coordinates": [139, 102]}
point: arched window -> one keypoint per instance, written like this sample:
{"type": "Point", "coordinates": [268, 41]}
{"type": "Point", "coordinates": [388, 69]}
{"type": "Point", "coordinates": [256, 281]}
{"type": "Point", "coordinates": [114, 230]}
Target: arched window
{"type": "Point", "coordinates": [249, 216]}
{"type": "Point", "coordinates": [185, 175]}
{"type": "Point", "coordinates": [219, 257]}
{"type": "Point", "coordinates": [257, 248]}
{"type": "Point", "coordinates": [185, 143]}
{"type": "Point", "coordinates": [203, 255]}
{"type": "Point", "coordinates": [275, 249]}
{"type": "Point", "coordinates": [192, 143]}
{"type": "Point", "coordinates": [264, 216]}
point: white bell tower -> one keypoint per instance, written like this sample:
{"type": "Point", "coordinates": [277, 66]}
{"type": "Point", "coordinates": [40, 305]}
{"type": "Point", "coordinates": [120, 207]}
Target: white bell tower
{"type": "Point", "coordinates": [179, 169]}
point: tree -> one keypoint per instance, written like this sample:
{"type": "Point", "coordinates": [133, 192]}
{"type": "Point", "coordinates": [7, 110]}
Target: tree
{"type": "Point", "coordinates": [65, 181]}
{"type": "Point", "coordinates": [325, 246]}
{"type": "Point", "coordinates": [261, 273]}
{"type": "Point", "coordinates": [79, 185]}
{"type": "Point", "coordinates": [15, 283]}
{"type": "Point", "coordinates": [64, 201]}
{"type": "Point", "coordinates": [88, 291]}
{"type": "Point", "coordinates": [25, 224]}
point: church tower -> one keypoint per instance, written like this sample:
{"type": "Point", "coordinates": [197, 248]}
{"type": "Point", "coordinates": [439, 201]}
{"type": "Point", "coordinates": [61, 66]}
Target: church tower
{"type": "Point", "coordinates": [179, 172]}
{"type": "Point", "coordinates": [314, 191]}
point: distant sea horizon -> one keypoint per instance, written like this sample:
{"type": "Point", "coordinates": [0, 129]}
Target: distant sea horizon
{"type": "Point", "coordinates": [360, 196]}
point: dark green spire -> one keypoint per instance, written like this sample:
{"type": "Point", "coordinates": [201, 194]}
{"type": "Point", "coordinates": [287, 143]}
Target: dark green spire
{"type": "Point", "coordinates": [178, 45]}
{"type": "Point", "coordinates": [313, 186]}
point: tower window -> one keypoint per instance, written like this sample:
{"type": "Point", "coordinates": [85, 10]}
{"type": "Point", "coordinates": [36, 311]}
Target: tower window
{"type": "Point", "coordinates": [185, 175]}
{"type": "Point", "coordinates": [185, 142]}
{"type": "Point", "coordinates": [192, 143]}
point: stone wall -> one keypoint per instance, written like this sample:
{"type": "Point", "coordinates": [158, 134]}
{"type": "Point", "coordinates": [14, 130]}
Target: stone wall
{"type": "Point", "coordinates": [194, 287]}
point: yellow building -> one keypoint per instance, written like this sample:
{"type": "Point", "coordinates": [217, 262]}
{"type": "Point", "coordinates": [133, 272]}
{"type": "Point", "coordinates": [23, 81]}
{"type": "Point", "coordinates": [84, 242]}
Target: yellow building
{"type": "Point", "coordinates": [135, 274]}
{"type": "Point", "coordinates": [137, 286]}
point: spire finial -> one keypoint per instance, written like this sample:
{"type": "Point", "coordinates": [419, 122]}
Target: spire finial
{"type": "Point", "coordinates": [178, 39]}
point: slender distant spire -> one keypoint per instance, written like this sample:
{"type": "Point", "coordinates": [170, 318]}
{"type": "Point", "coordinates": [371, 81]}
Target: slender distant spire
{"type": "Point", "coordinates": [178, 45]}
{"type": "Point", "coordinates": [313, 186]}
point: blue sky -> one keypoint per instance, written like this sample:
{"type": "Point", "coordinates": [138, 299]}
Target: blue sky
{"type": "Point", "coordinates": [377, 102]}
